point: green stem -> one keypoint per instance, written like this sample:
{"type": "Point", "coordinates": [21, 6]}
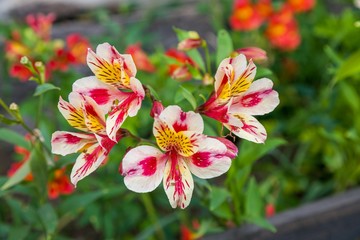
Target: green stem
{"type": "Point", "coordinates": [207, 59]}
{"type": "Point", "coordinates": [39, 111]}
{"type": "Point", "coordinates": [150, 209]}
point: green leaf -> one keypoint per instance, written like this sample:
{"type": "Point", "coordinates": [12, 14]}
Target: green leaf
{"type": "Point", "coordinates": [48, 218]}
{"type": "Point", "coordinates": [185, 94]}
{"type": "Point", "coordinates": [217, 197]}
{"type": "Point", "coordinates": [253, 204]}
{"type": "Point", "coordinates": [250, 152]}
{"type": "Point", "coordinates": [38, 166]}
{"type": "Point", "coordinates": [19, 175]}
{"type": "Point", "coordinates": [223, 211]}
{"type": "Point", "coordinates": [224, 46]}
{"type": "Point", "coordinates": [261, 222]}
{"type": "Point", "coordinates": [41, 89]}
{"type": "Point", "coordinates": [263, 72]}
{"type": "Point", "coordinates": [18, 232]}
{"type": "Point", "coordinates": [14, 138]}
{"type": "Point", "coordinates": [153, 92]}
{"type": "Point", "coordinates": [349, 67]}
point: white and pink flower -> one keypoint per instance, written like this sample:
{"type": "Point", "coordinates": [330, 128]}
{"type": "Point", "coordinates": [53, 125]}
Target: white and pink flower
{"type": "Point", "coordinates": [237, 99]}
{"type": "Point", "coordinates": [94, 145]}
{"type": "Point", "coordinates": [184, 149]}
{"type": "Point", "coordinates": [114, 86]}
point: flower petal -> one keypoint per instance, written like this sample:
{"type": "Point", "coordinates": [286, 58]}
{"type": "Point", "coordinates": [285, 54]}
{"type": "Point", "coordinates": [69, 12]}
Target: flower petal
{"type": "Point", "coordinates": [182, 121]}
{"type": "Point", "coordinates": [247, 127]}
{"type": "Point", "coordinates": [258, 100]}
{"type": "Point", "coordinates": [94, 116]}
{"type": "Point", "coordinates": [119, 113]}
{"type": "Point", "coordinates": [87, 162]}
{"type": "Point", "coordinates": [72, 111]}
{"type": "Point", "coordinates": [178, 182]}
{"type": "Point", "coordinates": [64, 143]}
{"type": "Point", "coordinates": [103, 94]}
{"type": "Point", "coordinates": [211, 160]}
{"type": "Point", "coordinates": [143, 168]}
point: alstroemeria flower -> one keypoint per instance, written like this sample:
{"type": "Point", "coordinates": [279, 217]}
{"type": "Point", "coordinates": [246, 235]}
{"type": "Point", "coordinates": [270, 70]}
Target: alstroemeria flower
{"type": "Point", "coordinates": [59, 184]}
{"type": "Point", "coordinates": [78, 46]}
{"type": "Point", "coordinates": [237, 99]}
{"type": "Point", "coordinates": [180, 70]}
{"type": "Point", "coordinates": [301, 5]}
{"type": "Point", "coordinates": [115, 76]}
{"type": "Point", "coordinates": [41, 24]}
{"type": "Point", "coordinates": [185, 150]}
{"type": "Point", "coordinates": [282, 30]}
{"type": "Point", "coordinates": [84, 114]}
{"type": "Point", "coordinates": [245, 16]}
{"type": "Point", "coordinates": [141, 59]}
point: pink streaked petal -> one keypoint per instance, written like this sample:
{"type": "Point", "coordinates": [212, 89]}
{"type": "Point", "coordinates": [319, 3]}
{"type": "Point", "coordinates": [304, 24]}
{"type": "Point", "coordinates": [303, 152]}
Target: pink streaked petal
{"type": "Point", "coordinates": [178, 182]}
{"type": "Point", "coordinates": [211, 160]}
{"type": "Point", "coordinates": [106, 143]}
{"type": "Point", "coordinates": [242, 80]}
{"type": "Point", "coordinates": [251, 129]}
{"type": "Point", "coordinates": [259, 99]}
{"type": "Point", "coordinates": [118, 115]}
{"type": "Point", "coordinates": [143, 168]}
{"type": "Point", "coordinates": [239, 64]}
{"type": "Point", "coordinates": [64, 143]}
{"type": "Point", "coordinates": [87, 162]}
{"type": "Point", "coordinates": [73, 112]}
{"type": "Point", "coordinates": [220, 78]}
{"type": "Point", "coordinates": [232, 149]}
{"type": "Point", "coordinates": [94, 116]}
{"type": "Point", "coordinates": [182, 121]}
{"type": "Point", "coordinates": [103, 94]}
{"type": "Point", "coordinates": [137, 96]}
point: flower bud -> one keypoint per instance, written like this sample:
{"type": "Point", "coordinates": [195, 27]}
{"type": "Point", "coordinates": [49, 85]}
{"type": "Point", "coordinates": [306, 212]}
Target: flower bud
{"type": "Point", "coordinates": [193, 41]}
{"type": "Point", "coordinates": [156, 109]}
{"type": "Point", "coordinates": [254, 53]}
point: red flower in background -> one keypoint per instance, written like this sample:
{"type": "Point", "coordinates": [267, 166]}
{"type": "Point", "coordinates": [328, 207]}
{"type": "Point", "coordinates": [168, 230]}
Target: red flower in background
{"type": "Point", "coordinates": [282, 30]}
{"type": "Point", "coordinates": [59, 183]}
{"type": "Point", "coordinates": [179, 70]}
{"type": "Point", "coordinates": [248, 16]}
{"type": "Point", "coordinates": [269, 210]}
{"type": "Point", "coordinates": [78, 46]}
{"type": "Point", "coordinates": [41, 24]}
{"type": "Point", "coordinates": [140, 58]}
{"type": "Point", "coordinates": [301, 5]}
{"type": "Point", "coordinates": [19, 71]}
{"type": "Point", "coordinates": [188, 234]}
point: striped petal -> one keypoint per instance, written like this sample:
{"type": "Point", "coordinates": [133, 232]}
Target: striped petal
{"type": "Point", "coordinates": [211, 160]}
{"type": "Point", "coordinates": [72, 111]}
{"type": "Point", "coordinates": [143, 168]}
{"type": "Point", "coordinates": [258, 100]}
{"type": "Point", "coordinates": [182, 121]}
{"type": "Point", "coordinates": [64, 143]}
{"type": "Point", "coordinates": [178, 182]}
{"type": "Point", "coordinates": [103, 94]}
{"type": "Point", "coordinates": [87, 162]}
{"type": "Point", "coordinates": [94, 116]}
{"type": "Point", "coordinates": [247, 127]}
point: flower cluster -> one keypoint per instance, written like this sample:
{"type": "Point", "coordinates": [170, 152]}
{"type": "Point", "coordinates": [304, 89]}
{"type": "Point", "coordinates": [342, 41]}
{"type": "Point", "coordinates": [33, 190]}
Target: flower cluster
{"type": "Point", "coordinates": [281, 26]}
{"type": "Point", "coordinates": [35, 42]}
{"type": "Point", "coordinates": [98, 106]}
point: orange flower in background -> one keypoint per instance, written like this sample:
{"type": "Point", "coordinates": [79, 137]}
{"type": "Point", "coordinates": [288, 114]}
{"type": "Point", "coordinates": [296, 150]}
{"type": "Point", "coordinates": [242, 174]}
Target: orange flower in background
{"type": "Point", "coordinates": [179, 70]}
{"type": "Point", "coordinates": [60, 184]}
{"type": "Point", "coordinates": [248, 16]}
{"type": "Point", "coordinates": [301, 5]}
{"type": "Point", "coordinates": [140, 58]}
{"type": "Point", "coordinates": [19, 71]}
{"type": "Point", "coordinates": [78, 46]}
{"type": "Point", "coordinates": [188, 234]}
{"type": "Point", "coordinates": [60, 61]}
{"type": "Point", "coordinates": [282, 30]}
{"type": "Point", "coordinates": [41, 24]}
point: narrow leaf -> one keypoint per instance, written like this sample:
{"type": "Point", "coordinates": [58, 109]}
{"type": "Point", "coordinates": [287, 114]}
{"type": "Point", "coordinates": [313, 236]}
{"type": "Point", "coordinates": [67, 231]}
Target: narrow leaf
{"type": "Point", "coordinates": [19, 175]}
{"type": "Point", "coordinates": [224, 46]}
{"type": "Point", "coordinates": [217, 197]}
{"type": "Point", "coordinates": [253, 203]}
{"type": "Point", "coordinates": [349, 67]}
{"type": "Point", "coordinates": [14, 138]}
{"type": "Point", "coordinates": [41, 89]}
{"type": "Point", "coordinates": [48, 218]}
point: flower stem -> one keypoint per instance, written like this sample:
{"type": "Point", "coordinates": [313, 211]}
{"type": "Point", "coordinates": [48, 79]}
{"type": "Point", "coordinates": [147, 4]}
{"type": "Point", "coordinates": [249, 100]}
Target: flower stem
{"type": "Point", "coordinates": [149, 206]}
{"type": "Point", "coordinates": [207, 59]}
